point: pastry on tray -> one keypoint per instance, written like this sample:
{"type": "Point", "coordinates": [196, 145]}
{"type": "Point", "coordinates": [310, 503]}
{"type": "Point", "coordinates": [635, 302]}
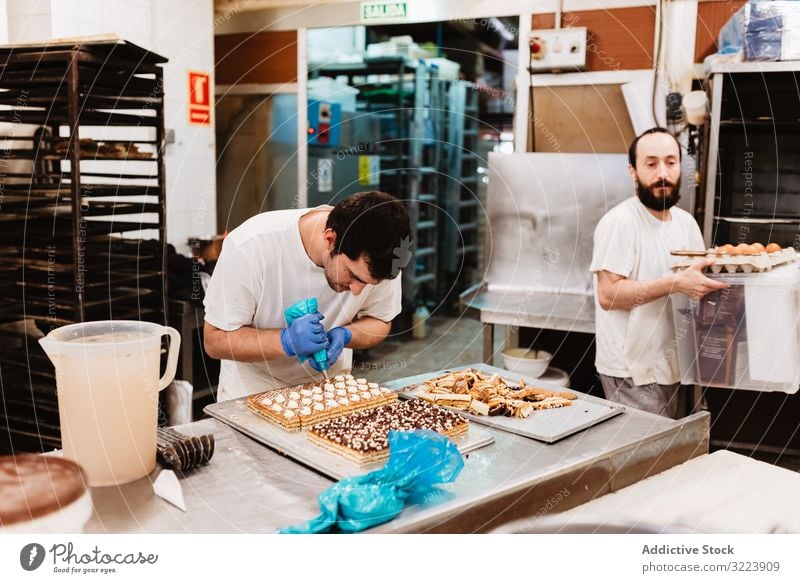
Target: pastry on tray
{"type": "Point", "coordinates": [489, 394]}
{"type": "Point", "coordinates": [304, 405]}
{"type": "Point", "coordinates": [363, 437]}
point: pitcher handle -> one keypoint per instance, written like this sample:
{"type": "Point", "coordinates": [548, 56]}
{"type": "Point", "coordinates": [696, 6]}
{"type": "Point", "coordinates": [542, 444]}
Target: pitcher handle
{"type": "Point", "coordinates": [172, 357]}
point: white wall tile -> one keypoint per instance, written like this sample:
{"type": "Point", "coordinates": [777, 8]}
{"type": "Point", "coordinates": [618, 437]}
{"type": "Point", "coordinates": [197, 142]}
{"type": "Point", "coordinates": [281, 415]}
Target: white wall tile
{"type": "Point", "coordinates": [92, 14]}
{"type": "Point", "coordinates": [136, 16]}
{"type": "Point", "coordinates": [199, 11]}
{"type": "Point", "coordinates": [69, 8]}
{"type": "Point", "coordinates": [170, 10]}
{"type": "Point", "coordinates": [113, 17]}
{"type": "Point", "coordinates": [12, 30]}
{"type": "Point", "coordinates": [87, 27]}
{"type": "Point", "coordinates": [63, 26]}
{"type": "Point", "coordinates": [31, 28]}
{"type": "Point", "coordinates": [3, 23]}
{"type": "Point", "coordinates": [28, 7]}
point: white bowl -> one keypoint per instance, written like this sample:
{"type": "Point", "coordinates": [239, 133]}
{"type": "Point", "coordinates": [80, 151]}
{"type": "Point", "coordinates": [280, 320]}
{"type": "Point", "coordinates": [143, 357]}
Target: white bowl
{"type": "Point", "coordinates": [529, 363]}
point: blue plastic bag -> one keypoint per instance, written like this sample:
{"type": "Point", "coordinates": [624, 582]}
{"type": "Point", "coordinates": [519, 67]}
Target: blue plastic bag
{"type": "Point", "coordinates": [731, 35]}
{"type": "Point", "coordinates": [418, 461]}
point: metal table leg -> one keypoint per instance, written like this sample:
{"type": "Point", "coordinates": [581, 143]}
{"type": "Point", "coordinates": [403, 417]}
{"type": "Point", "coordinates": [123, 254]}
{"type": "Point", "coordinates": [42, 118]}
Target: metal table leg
{"type": "Point", "coordinates": [488, 343]}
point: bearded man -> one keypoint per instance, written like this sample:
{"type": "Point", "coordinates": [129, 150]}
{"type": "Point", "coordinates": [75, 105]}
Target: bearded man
{"type": "Point", "coordinates": [348, 257]}
{"type": "Point", "coordinates": [635, 333]}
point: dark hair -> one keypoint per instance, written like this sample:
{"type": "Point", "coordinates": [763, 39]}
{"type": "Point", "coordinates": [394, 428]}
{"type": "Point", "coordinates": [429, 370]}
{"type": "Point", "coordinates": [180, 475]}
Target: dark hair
{"type": "Point", "coordinates": [375, 225]}
{"type": "Point", "coordinates": [655, 130]}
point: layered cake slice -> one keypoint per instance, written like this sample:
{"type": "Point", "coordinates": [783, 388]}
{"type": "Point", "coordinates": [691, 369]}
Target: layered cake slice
{"type": "Point", "coordinates": [302, 406]}
{"type": "Point", "coordinates": [363, 437]}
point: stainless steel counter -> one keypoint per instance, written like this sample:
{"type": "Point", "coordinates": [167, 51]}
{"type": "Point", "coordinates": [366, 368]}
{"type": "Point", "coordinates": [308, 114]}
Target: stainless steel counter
{"type": "Point", "coordinates": [528, 309]}
{"type": "Point", "coordinates": [250, 488]}
{"type": "Point", "coordinates": [535, 309]}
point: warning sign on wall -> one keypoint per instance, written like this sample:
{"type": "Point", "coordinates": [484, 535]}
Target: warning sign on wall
{"type": "Point", "coordinates": [199, 98]}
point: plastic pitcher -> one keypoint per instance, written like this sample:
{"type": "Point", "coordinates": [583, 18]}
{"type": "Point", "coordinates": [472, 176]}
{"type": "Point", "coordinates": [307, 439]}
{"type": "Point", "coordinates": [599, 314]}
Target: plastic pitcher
{"type": "Point", "coordinates": [107, 380]}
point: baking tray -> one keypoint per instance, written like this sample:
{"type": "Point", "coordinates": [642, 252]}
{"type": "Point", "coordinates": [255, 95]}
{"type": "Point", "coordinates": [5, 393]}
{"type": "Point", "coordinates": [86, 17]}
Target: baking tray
{"type": "Point", "coordinates": [549, 425]}
{"type": "Point", "coordinates": [295, 445]}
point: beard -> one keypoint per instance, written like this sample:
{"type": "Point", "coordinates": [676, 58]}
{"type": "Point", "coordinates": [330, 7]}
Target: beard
{"type": "Point", "coordinates": [652, 201]}
{"type": "Point", "coordinates": [335, 286]}
{"type": "Point", "coordinates": [330, 276]}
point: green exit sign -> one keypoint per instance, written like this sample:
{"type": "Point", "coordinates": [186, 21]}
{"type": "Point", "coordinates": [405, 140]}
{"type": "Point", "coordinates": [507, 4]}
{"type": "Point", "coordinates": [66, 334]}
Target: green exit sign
{"type": "Point", "coordinates": [383, 11]}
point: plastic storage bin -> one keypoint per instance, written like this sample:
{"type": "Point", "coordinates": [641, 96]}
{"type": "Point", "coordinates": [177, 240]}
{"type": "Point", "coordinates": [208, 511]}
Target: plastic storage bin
{"type": "Point", "coordinates": [743, 337]}
{"type": "Point", "coordinates": [327, 89]}
{"type": "Point", "coordinates": [446, 69]}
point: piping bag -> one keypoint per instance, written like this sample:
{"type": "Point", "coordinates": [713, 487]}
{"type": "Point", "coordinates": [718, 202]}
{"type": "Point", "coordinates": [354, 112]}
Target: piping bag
{"type": "Point", "coordinates": [418, 462]}
{"type": "Point", "coordinates": [298, 310]}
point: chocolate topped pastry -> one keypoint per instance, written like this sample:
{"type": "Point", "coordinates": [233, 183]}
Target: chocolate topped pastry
{"type": "Point", "coordinates": [363, 437]}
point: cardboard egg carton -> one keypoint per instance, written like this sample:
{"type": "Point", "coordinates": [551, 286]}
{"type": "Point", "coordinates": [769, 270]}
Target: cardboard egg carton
{"type": "Point", "coordinates": [740, 263]}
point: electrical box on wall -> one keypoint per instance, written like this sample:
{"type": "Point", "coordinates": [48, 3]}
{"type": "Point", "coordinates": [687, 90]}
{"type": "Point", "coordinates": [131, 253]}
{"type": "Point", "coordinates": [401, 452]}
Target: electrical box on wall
{"type": "Point", "coordinates": [324, 123]}
{"type": "Point", "coordinates": [562, 49]}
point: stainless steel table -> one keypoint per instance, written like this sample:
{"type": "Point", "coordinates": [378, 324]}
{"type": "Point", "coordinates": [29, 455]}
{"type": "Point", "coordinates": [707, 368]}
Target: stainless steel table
{"type": "Point", "coordinates": [250, 488]}
{"type": "Point", "coordinates": [493, 306]}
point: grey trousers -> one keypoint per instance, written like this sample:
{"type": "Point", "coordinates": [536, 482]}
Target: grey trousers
{"type": "Point", "coordinates": [653, 398]}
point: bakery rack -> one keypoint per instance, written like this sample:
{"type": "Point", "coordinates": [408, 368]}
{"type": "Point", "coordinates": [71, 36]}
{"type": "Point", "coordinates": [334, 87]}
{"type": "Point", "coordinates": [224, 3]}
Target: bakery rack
{"type": "Point", "coordinates": [464, 199]}
{"type": "Point", "coordinates": [82, 215]}
{"type": "Point", "coordinates": [402, 93]}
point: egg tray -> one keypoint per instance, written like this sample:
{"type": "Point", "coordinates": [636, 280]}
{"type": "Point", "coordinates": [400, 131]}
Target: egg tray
{"type": "Point", "coordinates": [740, 263]}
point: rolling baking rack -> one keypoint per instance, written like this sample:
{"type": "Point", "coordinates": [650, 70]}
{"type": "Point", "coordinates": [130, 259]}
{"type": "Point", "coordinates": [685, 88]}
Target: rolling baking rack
{"type": "Point", "coordinates": [82, 210]}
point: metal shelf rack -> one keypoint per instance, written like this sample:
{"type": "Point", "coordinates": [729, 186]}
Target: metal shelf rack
{"type": "Point", "coordinates": [82, 222]}
{"type": "Point", "coordinates": [404, 94]}
{"type": "Point", "coordinates": [752, 194]}
{"type": "Point", "coordinates": [462, 235]}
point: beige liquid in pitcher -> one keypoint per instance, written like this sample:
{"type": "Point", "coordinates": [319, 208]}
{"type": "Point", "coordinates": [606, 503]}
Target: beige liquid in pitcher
{"type": "Point", "coordinates": [107, 399]}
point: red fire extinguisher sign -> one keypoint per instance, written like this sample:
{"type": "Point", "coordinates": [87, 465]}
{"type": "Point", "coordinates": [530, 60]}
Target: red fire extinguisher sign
{"type": "Point", "coordinates": [199, 98]}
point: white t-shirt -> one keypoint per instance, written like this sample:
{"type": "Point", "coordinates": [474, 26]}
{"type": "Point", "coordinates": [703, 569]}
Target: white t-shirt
{"type": "Point", "coordinates": [639, 343]}
{"type": "Point", "coordinates": [262, 270]}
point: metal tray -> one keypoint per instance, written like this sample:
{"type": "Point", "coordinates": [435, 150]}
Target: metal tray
{"type": "Point", "coordinates": [549, 425]}
{"type": "Point", "coordinates": [295, 445]}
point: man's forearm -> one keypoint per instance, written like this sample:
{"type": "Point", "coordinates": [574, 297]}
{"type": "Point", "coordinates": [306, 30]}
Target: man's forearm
{"type": "Point", "coordinates": [616, 292]}
{"type": "Point", "coordinates": [626, 294]}
{"type": "Point", "coordinates": [368, 332]}
{"type": "Point", "coordinates": [247, 344]}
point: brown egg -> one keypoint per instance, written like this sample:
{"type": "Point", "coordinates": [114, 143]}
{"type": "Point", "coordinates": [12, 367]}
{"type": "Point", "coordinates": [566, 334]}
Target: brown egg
{"type": "Point", "coordinates": [725, 249]}
{"type": "Point", "coordinates": [744, 249]}
{"type": "Point", "coordinates": [757, 247]}
{"type": "Point", "coordinates": [772, 247]}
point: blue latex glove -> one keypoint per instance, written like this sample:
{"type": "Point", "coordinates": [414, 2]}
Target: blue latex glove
{"type": "Point", "coordinates": [338, 338]}
{"type": "Point", "coordinates": [304, 336]}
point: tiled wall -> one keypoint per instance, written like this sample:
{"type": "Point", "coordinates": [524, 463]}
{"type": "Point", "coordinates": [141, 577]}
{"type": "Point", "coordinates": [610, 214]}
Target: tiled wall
{"type": "Point", "coordinates": [183, 32]}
